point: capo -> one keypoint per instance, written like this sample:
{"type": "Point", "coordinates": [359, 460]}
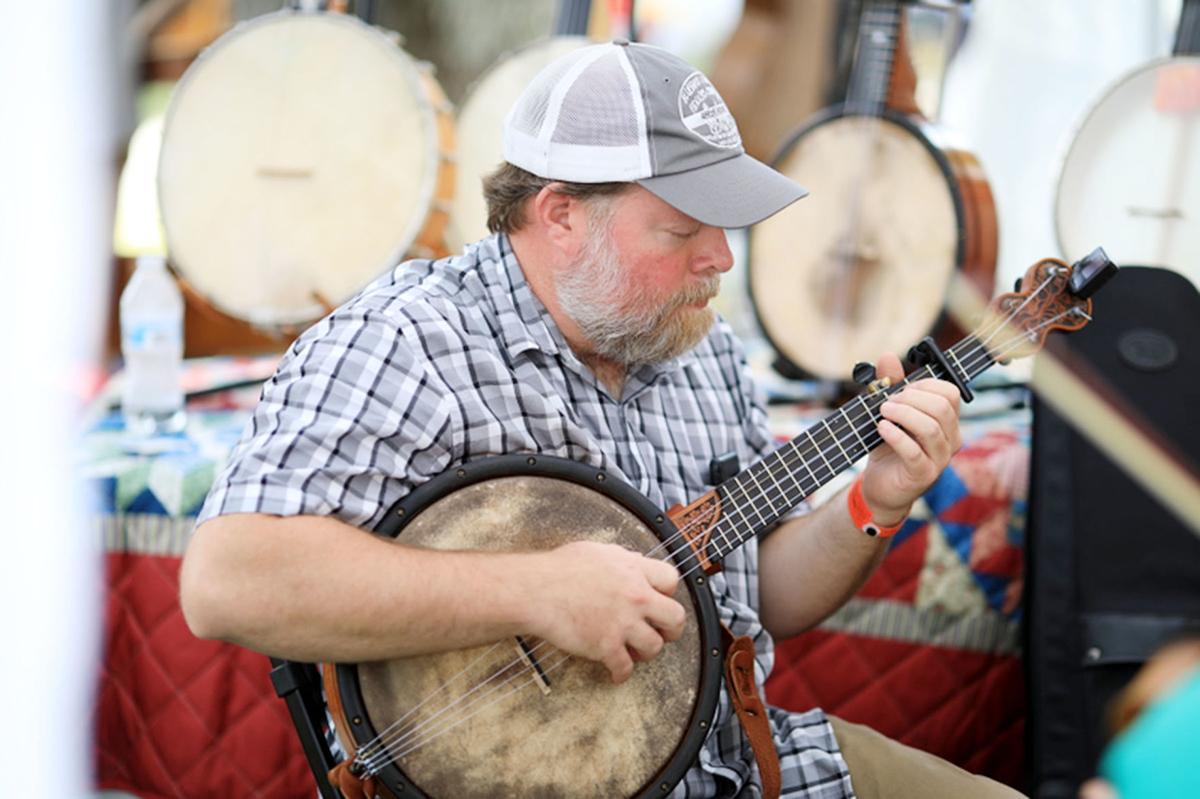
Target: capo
{"type": "Point", "coordinates": [928, 352]}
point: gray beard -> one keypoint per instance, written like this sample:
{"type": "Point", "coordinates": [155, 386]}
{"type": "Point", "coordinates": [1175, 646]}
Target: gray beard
{"type": "Point", "coordinates": [593, 293]}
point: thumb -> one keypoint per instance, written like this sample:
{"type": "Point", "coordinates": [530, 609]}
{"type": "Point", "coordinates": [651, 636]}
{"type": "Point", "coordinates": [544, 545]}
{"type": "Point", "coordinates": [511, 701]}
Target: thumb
{"type": "Point", "coordinates": [889, 366]}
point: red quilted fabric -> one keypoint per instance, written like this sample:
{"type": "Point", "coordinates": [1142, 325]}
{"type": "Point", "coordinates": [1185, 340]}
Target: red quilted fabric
{"type": "Point", "coordinates": [967, 707]}
{"type": "Point", "coordinates": [959, 558]}
{"type": "Point", "coordinates": [181, 717]}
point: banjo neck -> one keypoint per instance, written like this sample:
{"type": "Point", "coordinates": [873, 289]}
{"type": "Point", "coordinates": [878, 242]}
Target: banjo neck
{"type": "Point", "coordinates": [882, 76]}
{"type": "Point", "coordinates": [1187, 34]}
{"type": "Point", "coordinates": [1055, 296]}
{"type": "Point", "coordinates": [759, 496]}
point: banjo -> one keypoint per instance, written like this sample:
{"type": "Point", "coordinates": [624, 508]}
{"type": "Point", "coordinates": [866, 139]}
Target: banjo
{"type": "Point", "coordinates": [895, 210]}
{"type": "Point", "coordinates": [321, 151]}
{"type": "Point", "coordinates": [1150, 117]}
{"type": "Point", "coordinates": [520, 718]}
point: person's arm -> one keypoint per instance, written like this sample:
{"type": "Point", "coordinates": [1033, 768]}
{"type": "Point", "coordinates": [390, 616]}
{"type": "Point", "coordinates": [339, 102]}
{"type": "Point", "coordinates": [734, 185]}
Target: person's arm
{"type": "Point", "coordinates": [811, 565]}
{"type": "Point", "coordinates": [313, 588]}
{"type": "Point", "coordinates": [356, 417]}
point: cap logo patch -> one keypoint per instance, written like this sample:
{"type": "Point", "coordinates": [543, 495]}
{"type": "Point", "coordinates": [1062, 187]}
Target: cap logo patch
{"type": "Point", "coordinates": [704, 113]}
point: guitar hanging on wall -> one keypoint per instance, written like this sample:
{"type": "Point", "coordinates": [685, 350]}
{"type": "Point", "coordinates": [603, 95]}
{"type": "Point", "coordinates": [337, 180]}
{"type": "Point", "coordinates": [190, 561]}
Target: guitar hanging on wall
{"type": "Point", "coordinates": [894, 211]}
{"type": "Point", "coordinates": [521, 718]}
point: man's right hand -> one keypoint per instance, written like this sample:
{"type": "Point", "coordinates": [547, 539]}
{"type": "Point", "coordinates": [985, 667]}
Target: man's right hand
{"type": "Point", "coordinates": [604, 603]}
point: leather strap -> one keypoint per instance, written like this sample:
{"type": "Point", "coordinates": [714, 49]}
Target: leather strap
{"type": "Point", "coordinates": [351, 785]}
{"type": "Point", "coordinates": [751, 712]}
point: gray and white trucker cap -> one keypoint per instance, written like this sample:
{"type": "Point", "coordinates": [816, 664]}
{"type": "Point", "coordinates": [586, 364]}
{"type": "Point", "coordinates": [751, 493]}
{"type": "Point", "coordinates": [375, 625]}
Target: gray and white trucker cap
{"type": "Point", "coordinates": [632, 112]}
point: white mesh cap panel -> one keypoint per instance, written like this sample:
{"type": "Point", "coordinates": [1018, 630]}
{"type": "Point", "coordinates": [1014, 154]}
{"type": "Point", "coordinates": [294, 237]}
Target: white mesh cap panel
{"type": "Point", "coordinates": [581, 119]}
{"type": "Point", "coordinates": [529, 112]}
{"type": "Point", "coordinates": [599, 109]}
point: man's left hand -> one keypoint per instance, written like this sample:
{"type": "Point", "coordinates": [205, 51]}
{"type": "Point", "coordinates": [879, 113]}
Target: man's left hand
{"type": "Point", "coordinates": [920, 433]}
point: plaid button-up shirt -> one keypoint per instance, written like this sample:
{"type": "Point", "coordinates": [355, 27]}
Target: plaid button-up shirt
{"type": "Point", "coordinates": [438, 362]}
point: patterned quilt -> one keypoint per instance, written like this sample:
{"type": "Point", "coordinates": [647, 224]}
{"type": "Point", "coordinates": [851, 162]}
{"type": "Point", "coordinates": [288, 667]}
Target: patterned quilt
{"type": "Point", "coordinates": [928, 651]}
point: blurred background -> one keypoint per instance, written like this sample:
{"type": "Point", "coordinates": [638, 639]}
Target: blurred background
{"type": "Point", "coordinates": [188, 184]}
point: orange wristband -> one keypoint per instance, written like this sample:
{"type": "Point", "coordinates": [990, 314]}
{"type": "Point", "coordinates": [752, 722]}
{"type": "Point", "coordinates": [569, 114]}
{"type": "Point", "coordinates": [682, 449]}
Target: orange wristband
{"type": "Point", "coordinates": [860, 513]}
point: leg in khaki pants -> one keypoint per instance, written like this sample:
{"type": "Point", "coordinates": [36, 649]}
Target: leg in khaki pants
{"type": "Point", "coordinates": [881, 768]}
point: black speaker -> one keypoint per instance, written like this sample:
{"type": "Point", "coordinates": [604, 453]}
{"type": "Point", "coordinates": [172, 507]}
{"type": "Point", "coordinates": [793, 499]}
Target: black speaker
{"type": "Point", "coordinates": [1110, 573]}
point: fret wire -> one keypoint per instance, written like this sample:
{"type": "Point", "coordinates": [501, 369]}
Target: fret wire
{"type": "Point", "coordinates": [740, 507]}
{"type": "Point", "coordinates": [762, 493]}
{"type": "Point", "coordinates": [808, 433]}
{"type": "Point", "coordinates": [837, 443]}
{"type": "Point", "coordinates": [799, 456]}
{"type": "Point", "coordinates": [782, 492]}
{"type": "Point", "coordinates": [804, 462]}
{"type": "Point", "coordinates": [726, 520]}
{"type": "Point", "coordinates": [802, 492]}
{"type": "Point", "coordinates": [853, 428]}
{"type": "Point", "coordinates": [778, 454]}
{"type": "Point", "coordinates": [958, 363]}
{"type": "Point", "coordinates": [832, 440]}
{"type": "Point", "coordinates": [969, 356]}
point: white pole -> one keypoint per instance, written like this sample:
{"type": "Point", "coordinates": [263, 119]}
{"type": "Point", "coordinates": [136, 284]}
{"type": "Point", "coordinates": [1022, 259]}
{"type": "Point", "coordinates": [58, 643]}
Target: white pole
{"type": "Point", "coordinates": [58, 88]}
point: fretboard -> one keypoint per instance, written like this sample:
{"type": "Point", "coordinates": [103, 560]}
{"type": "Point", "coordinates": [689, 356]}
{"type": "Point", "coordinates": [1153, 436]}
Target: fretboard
{"type": "Point", "coordinates": [759, 496]}
{"type": "Point", "coordinates": [878, 33]}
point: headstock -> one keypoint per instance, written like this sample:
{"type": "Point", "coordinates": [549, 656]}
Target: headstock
{"type": "Point", "coordinates": [1051, 296]}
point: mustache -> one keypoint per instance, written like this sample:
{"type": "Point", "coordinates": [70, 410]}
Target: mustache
{"type": "Point", "coordinates": [705, 290]}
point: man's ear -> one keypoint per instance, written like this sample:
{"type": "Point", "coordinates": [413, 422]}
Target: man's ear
{"type": "Point", "coordinates": [562, 219]}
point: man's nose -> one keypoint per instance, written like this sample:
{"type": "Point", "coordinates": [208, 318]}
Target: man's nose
{"type": "Point", "coordinates": [714, 250]}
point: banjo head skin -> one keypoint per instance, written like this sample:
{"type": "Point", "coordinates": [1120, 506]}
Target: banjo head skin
{"type": "Point", "coordinates": [1145, 215]}
{"type": "Point", "coordinates": [863, 264]}
{"type": "Point", "coordinates": [557, 736]}
{"type": "Point", "coordinates": [300, 159]}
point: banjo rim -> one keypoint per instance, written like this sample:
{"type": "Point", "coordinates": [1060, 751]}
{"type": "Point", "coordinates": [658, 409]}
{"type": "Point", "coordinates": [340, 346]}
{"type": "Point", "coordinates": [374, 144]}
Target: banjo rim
{"type": "Point", "coordinates": [925, 134]}
{"type": "Point", "coordinates": [357, 715]}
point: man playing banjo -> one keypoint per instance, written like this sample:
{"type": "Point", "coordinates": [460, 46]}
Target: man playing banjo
{"type": "Point", "coordinates": [578, 329]}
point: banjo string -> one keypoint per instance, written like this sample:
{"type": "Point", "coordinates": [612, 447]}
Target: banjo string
{"type": "Point", "coordinates": [366, 750]}
{"type": "Point", "coordinates": [976, 359]}
{"type": "Point", "coordinates": [376, 751]}
{"type": "Point", "coordinates": [393, 740]}
{"type": "Point", "coordinates": [399, 749]}
{"type": "Point", "coordinates": [1012, 345]}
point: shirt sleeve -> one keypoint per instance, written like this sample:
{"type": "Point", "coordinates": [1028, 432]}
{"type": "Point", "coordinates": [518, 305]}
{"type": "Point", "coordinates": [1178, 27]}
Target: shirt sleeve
{"type": "Point", "coordinates": [352, 421]}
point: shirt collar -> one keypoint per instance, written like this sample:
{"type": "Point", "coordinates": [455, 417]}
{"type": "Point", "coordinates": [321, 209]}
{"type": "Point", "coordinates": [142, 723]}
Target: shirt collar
{"type": "Point", "coordinates": [525, 323]}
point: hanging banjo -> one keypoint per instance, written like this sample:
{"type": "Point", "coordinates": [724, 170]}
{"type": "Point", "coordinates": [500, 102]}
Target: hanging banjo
{"type": "Point", "coordinates": [321, 152]}
{"type": "Point", "coordinates": [520, 718]}
{"type": "Point", "coordinates": [1150, 117]}
{"type": "Point", "coordinates": [894, 211]}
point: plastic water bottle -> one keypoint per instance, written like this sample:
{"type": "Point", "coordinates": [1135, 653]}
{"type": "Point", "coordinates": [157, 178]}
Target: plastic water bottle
{"type": "Point", "coordinates": [152, 345]}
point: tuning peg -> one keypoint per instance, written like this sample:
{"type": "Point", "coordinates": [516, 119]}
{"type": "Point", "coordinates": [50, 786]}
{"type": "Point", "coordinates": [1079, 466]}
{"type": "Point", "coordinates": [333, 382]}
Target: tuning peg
{"type": "Point", "coordinates": [863, 373]}
{"type": "Point", "coordinates": [1017, 285]}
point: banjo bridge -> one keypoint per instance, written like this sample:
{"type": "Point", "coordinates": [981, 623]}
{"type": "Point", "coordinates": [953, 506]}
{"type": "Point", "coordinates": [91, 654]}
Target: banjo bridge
{"type": "Point", "coordinates": [526, 653]}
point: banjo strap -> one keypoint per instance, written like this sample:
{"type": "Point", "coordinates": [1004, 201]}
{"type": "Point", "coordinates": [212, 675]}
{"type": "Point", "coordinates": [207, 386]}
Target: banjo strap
{"type": "Point", "coordinates": [751, 712]}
